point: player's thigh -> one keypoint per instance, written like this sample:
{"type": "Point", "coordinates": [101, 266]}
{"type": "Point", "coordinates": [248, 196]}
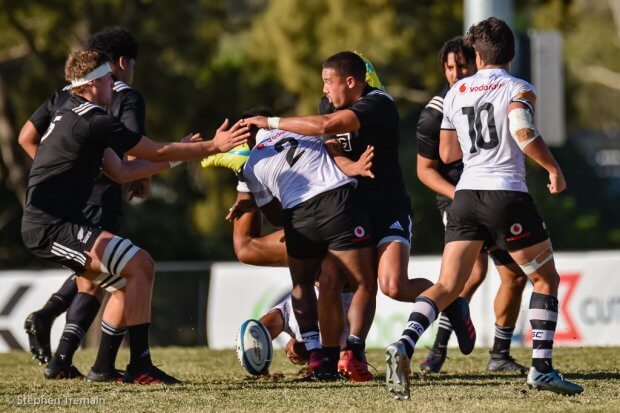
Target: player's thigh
{"type": "Point", "coordinates": [358, 264]}
{"type": "Point", "coordinates": [392, 229]}
{"type": "Point", "coordinates": [457, 263]}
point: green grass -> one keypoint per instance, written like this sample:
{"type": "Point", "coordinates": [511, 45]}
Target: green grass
{"type": "Point", "coordinates": [214, 381]}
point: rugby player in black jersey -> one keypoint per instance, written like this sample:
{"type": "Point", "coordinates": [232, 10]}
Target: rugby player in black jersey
{"type": "Point", "coordinates": [360, 115]}
{"type": "Point", "coordinates": [458, 61]}
{"type": "Point", "coordinates": [104, 208]}
{"type": "Point", "coordinates": [54, 227]}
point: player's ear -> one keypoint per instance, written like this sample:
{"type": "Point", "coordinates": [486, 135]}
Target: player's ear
{"type": "Point", "coordinates": [122, 63]}
{"type": "Point", "coordinates": [350, 82]}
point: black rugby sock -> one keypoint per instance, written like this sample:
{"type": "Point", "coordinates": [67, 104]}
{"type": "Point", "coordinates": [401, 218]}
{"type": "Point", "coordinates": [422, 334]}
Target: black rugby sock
{"type": "Point", "coordinates": [140, 355]}
{"type": "Point", "coordinates": [80, 316]}
{"type": "Point", "coordinates": [111, 340]}
{"type": "Point", "coordinates": [60, 300]}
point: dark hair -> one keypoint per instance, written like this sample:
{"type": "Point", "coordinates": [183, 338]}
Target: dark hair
{"type": "Point", "coordinates": [493, 39]}
{"type": "Point", "coordinates": [115, 41]}
{"type": "Point", "coordinates": [347, 64]}
{"type": "Point", "coordinates": [456, 45]}
{"type": "Point", "coordinates": [257, 111]}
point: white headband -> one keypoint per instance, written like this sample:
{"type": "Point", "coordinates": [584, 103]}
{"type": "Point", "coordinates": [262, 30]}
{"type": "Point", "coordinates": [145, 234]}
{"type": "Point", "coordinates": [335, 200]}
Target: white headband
{"type": "Point", "coordinates": [98, 72]}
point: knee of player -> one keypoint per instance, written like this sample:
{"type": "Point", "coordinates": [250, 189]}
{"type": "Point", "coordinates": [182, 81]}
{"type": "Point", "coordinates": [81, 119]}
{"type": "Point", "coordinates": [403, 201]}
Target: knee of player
{"type": "Point", "coordinates": [391, 287]}
{"type": "Point", "coordinates": [141, 266]}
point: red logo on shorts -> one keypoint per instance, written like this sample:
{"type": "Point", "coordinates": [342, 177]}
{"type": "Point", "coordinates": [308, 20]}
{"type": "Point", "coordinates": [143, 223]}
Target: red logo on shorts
{"type": "Point", "coordinates": [516, 229]}
{"type": "Point", "coordinates": [359, 231]}
{"type": "Point", "coordinates": [463, 88]}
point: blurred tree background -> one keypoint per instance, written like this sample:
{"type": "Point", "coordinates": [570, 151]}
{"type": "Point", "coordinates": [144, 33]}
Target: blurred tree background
{"type": "Point", "coordinates": [202, 61]}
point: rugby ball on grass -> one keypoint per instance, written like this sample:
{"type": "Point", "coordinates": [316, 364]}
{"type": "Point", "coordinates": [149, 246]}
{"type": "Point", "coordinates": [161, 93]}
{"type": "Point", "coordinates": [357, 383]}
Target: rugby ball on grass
{"type": "Point", "coordinates": [254, 348]}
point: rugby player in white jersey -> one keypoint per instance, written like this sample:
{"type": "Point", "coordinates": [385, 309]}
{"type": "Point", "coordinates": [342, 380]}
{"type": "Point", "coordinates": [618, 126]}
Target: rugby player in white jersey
{"type": "Point", "coordinates": [297, 184]}
{"type": "Point", "coordinates": [488, 122]}
{"type": "Point", "coordinates": [459, 61]}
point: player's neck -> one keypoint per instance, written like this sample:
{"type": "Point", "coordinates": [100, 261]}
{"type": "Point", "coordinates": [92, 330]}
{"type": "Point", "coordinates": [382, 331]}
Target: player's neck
{"type": "Point", "coordinates": [485, 66]}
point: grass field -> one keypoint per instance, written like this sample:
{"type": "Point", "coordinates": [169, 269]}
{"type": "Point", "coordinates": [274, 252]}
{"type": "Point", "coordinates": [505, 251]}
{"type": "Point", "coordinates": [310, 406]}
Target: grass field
{"type": "Point", "coordinates": [214, 381]}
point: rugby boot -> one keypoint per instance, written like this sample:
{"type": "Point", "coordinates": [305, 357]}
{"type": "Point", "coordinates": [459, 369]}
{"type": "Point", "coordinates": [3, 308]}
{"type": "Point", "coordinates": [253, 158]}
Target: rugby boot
{"type": "Point", "coordinates": [353, 368]}
{"type": "Point", "coordinates": [59, 368]}
{"type": "Point", "coordinates": [38, 331]}
{"type": "Point", "coordinates": [458, 314]}
{"type": "Point", "coordinates": [104, 376]}
{"type": "Point", "coordinates": [397, 376]}
{"type": "Point", "coordinates": [151, 375]}
{"type": "Point", "coordinates": [234, 159]}
{"type": "Point", "coordinates": [433, 361]}
{"type": "Point", "coordinates": [552, 381]}
{"type": "Point", "coordinates": [504, 362]}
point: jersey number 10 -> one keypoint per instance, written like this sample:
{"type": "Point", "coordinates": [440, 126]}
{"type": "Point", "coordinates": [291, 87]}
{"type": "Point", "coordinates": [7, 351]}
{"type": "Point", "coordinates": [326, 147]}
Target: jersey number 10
{"type": "Point", "coordinates": [475, 127]}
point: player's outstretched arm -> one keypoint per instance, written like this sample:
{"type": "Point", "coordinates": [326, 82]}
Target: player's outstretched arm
{"type": "Point", "coordinates": [223, 141]}
{"type": "Point", "coordinates": [121, 171]}
{"type": "Point", "coordinates": [341, 121]}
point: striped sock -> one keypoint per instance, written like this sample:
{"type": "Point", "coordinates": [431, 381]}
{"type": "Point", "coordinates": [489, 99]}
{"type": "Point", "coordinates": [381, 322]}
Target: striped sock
{"type": "Point", "coordinates": [111, 340]}
{"type": "Point", "coordinates": [543, 315]}
{"type": "Point", "coordinates": [503, 337]}
{"type": "Point", "coordinates": [423, 314]}
{"type": "Point", "coordinates": [443, 334]}
{"type": "Point", "coordinates": [80, 315]}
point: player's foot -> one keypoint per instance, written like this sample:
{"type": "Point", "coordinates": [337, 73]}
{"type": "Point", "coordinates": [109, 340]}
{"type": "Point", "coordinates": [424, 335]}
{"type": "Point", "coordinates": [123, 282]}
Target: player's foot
{"type": "Point", "coordinates": [458, 314]}
{"type": "Point", "coordinates": [58, 369]}
{"type": "Point", "coordinates": [233, 159]}
{"type": "Point", "coordinates": [433, 361]}
{"type": "Point", "coordinates": [38, 331]}
{"type": "Point", "coordinates": [151, 375]}
{"type": "Point", "coordinates": [505, 362]}
{"type": "Point", "coordinates": [356, 370]}
{"type": "Point", "coordinates": [397, 373]}
{"type": "Point", "coordinates": [115, 375]}
{"type": "Point", "coordinates": [315, 360]}
{"type": "Point", "coordinates": [553, 381]}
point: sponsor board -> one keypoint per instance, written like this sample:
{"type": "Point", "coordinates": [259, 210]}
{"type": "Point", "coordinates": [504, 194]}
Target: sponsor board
{"type": "Point", "coordinates": [589, 295]}
{"type": "Point", "coordinates": [22, 292]}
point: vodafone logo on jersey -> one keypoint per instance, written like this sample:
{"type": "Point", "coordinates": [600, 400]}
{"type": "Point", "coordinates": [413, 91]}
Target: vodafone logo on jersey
{"type": "Point", "coordinates": [516, 229]}
{"type": "Point", "coordinates": [485, 88]}
{"type": "Point", "coordinates": [463, 88]}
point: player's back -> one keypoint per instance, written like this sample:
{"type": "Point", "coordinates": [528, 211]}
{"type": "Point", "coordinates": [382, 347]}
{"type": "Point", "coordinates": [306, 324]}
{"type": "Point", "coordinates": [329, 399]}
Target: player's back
{"type": "Point", "coordinates": [291, 167]}
{"type": "Point", "coordinates": [477, 108]}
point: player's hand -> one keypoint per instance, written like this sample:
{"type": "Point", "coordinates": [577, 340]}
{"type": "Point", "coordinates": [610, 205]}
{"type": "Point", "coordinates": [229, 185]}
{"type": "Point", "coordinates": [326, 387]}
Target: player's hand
{"type": "Point", "coordinates": [294, 352]}
{"type": "Point", "coordinates": [363, 165]}
{"type": "Point", "coordinates": [140, 188]}
{"type": "Point", "coordinates": [225, 139]}
{"type": "Point", "coordinates": [557, 183]}
{"type": "Point", "coordinates": [258, 121]}
{"type": "Point", "coordinates": [241, 207]}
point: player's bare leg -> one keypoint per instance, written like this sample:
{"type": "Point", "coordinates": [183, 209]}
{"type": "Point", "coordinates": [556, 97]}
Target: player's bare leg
{"type": "Point", "coordinates": [358, 265]}
{"type": "Point", "coordinates": [393, 261]}
{"type": "Point", "coordinates": [304, 301]}
{"type": "Point", "coordinates": [130, 274]}
{"type": "Point", "coordinates": [537, 262]}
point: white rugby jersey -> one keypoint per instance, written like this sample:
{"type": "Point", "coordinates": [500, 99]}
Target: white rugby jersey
{"type": "Point", "coordinates": [290, 167]}
{"type": "Point", "coordinates": [477, 108]}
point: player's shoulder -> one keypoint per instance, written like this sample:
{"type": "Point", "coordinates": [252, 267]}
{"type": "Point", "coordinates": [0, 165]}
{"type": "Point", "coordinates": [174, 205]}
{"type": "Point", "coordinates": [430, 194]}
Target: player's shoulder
{"type": "Point", "coordinates": [373, 94]}
{"type": "Point", "coordinates": [436, 102]}
{"type": "Point", "coordinates": [124, 92]}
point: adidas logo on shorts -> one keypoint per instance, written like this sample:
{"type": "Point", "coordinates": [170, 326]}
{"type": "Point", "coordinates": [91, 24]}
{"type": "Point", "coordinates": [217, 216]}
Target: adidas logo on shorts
{"type": "Point", "coordinates": [396, 225]}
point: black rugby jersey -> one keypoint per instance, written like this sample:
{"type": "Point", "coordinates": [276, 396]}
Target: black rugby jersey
{"type": "Point", "coordinates": [379, 127]}
{"type": "Point", "coordinates": [429, 126]}
{"type": "Point", "coordinates": [69, 160]}
{"type": "Point", "coordinates": [127, 106]}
